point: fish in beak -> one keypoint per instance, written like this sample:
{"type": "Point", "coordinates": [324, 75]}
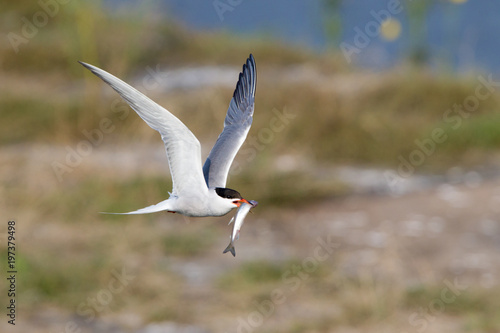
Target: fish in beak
{"type": "Point", "coordinates": [238, 219]}
{"type": "Point", "coordinates": [240, 201]}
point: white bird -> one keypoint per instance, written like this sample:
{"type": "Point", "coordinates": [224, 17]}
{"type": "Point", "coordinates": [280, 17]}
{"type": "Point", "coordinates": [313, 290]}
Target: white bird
{"type": "Point", "coordinates": [196, 191]}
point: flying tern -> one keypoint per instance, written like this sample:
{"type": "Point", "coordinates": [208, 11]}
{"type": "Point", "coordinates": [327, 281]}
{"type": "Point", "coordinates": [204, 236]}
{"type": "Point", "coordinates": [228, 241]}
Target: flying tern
{"type": "Point", "coordinates": [196, 191]}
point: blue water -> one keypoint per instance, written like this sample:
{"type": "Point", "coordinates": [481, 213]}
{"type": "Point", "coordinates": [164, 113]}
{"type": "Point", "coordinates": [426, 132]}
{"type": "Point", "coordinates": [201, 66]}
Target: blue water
{"type": "Point", "coordinates": [454, 37]}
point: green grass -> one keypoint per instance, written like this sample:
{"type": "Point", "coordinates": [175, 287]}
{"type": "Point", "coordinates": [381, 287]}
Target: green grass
{"type": "Point", "coordinates": [468, 301]}
{"type": "Point", "coordinates": [188, 244]}
{"type": "Point", "coordinates": [100, 195]}
{"type": "Point", "coordinates": [261, 272]}
{"type": "Point", "coordinates": [479, 131]}
{"type": "Point", "coordinates": [52, 279]}
{"type": "Point", "coordinates": [322, 324]}
{"type": "Point", "coordinates": [371, 125]}
{"type": "Point", "coordinates": [478, 306]}
{"type": "Point", "coordinates": [27, 119]}
{"type": "Point", "coordinates": [383, 122]}
{"type": "Point", "coordinates": [252, 273]}
{"type": "Point", "coordinates": [284, 188]}
{"type": "Point", "coordinates": [116, 39]}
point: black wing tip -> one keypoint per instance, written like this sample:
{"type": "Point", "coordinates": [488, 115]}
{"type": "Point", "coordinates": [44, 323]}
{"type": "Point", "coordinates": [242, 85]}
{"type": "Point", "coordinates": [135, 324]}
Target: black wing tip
{"type": "Point", "coordinates": [89, 67]}
{"type": "Point", "coordinates": [249, 75]}
{"type": "Point", "coordinates": [84, 64]}
{"type": "Point", "coordinates": [250, 63]}
{"type": "Point", "coordinates": [251, 60]}
{"type": "Point", "coordinates": [97, 72]}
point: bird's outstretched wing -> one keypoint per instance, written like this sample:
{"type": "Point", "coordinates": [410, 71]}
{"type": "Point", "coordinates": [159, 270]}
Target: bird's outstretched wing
{"type": "Point", "coordinates": [182, 147]}
{"type": "Point", "coordinates": [236, 126]}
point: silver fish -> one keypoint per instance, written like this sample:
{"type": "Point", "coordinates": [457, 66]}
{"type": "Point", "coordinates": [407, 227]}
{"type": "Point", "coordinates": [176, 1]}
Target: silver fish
{"type": "Point", "coordinates": [238, 219]}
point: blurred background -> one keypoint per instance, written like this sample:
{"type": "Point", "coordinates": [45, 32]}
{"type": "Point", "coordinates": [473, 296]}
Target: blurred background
{"type": "Point", "coordinates": [374, 155]}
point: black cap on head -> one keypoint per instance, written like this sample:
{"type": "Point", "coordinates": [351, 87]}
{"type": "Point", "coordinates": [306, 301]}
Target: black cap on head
{"type": "Point", "coordinates": [227, 193]}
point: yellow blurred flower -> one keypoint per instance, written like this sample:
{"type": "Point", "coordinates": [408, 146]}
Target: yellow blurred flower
{"type": "Point", "coordinates": [390, 29]}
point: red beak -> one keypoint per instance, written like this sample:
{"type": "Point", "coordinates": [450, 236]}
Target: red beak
{"type": "Point", "coordinates": [238, 202]}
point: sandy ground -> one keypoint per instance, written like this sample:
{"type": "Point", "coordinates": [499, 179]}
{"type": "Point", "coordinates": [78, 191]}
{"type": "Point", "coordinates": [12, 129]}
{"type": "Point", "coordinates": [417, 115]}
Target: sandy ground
{"type": "Point", "coordinates": [445, 233]}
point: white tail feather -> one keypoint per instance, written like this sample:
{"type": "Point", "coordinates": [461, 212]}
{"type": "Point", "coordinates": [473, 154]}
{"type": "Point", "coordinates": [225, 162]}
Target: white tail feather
{"type": "Point", "coordinates": [161, 206]}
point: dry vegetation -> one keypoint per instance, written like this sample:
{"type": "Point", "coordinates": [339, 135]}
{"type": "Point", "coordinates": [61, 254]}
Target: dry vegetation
{"type": "Point", "coordinates": [68, 254]}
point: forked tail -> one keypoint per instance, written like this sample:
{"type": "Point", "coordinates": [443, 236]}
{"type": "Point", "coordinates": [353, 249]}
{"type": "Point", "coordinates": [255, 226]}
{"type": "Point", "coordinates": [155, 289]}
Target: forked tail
{"type": "Point", "coordinates": [230, 248]}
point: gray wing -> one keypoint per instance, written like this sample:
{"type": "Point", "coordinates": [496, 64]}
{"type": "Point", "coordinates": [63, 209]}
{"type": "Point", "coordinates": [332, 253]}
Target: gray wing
{"type": "Point", "coordinates": [236, 126]}
{"type": "Point", "coordinates": [182, 147]}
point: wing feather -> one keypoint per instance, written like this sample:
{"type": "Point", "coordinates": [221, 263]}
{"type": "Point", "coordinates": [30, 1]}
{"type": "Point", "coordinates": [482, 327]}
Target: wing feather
{"type": "Point", "coordinates": [182, 147]}
{"type": "Point", "coordinates": [236, 126]}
